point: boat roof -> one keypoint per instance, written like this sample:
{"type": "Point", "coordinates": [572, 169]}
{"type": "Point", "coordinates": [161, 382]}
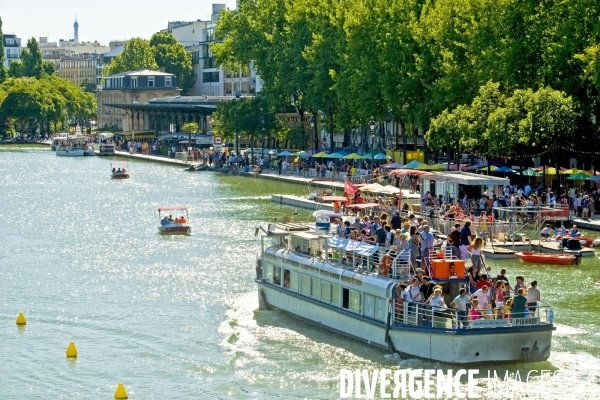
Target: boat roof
{"type": "Point", "coordinates": [334, 198]}
{"type": "Point", "coordinates": [363, 206]}
{"type": "Point", "coordinates": [167, 208]}
{"type": "Point", "coordinates": [118, 162]}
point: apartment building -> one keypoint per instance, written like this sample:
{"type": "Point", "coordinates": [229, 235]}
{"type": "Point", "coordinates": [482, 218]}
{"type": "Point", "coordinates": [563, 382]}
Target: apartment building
{"type": "Point", "coordinates": [12, 48]}
{"type": "Point", "coordinates": [80, 69]}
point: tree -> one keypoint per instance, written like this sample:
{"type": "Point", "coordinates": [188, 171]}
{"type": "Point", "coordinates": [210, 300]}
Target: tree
{"type": "Point", "coordinates": [16, 70]}
{"type": "Point", "coordinates": [190, 127]}
{"type": "Point", "coordinates": [174, 58]}
{"type": "Point", "coordinates": [48, 67]}
{"type": "Point", "coordinates": [2, 69]}
{"type": "Point", "coordinates": [31, 59]}
{"type": "Point", "coordinates": [136, 54]}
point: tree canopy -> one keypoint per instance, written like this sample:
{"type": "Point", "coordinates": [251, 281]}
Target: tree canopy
{"type": "Point", "coordinates": [161, 51]}
{"type": "Point", "coordinates": [420, 61]}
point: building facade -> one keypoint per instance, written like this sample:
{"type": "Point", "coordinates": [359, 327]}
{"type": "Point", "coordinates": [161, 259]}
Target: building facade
{"type": "Point", "coordinates": [12, 48]}
{"type": "Point", "coordinates": [211, 80]}
{"type": "Point", "coordinates": [132, 87]}
{"type": "Point", "coordinates": [80, 69]}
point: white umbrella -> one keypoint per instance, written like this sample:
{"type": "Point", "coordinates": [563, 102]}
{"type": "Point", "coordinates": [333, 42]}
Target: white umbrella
{"type": "Point", "coordinates": [388, 190]}
{"type": "Point", "coordinates": [373, 187]}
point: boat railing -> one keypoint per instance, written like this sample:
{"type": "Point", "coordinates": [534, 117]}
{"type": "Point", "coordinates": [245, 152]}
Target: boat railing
{"type": "Point", "coordinates": [423, 315]}
{"type": "Point", "coordinates": [401, 265]}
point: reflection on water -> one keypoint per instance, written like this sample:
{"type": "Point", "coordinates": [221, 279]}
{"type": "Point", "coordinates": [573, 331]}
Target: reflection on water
{"type": "Point", "coordinates": [177, 317]}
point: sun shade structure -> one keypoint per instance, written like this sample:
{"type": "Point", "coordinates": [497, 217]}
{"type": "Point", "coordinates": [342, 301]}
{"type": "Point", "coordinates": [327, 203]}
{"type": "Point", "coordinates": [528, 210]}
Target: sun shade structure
{"type": "Point", "coordinates": [321, 155]}
{"type": "Point", "coordinates": [284, 154]}
{"type": "Point", "coordinates": [413, 164]}
{"type": "Point", "coordinates": [505, 169]}
{"type": "Point", "coordinates": [354, 156]}
{"type": "Point", "coordinates": [405, 171]}
{"type": "Point", "coordinates": [492, 168]}
{"type": "Point", "coordinates": [580, 176]}
{"type": "Point", "coordinates": [335, 155]}
{"type": "Point", "coordinates": [531, 172]}
{"type": "Point", "coordinates": [382, 156]}
{"type": "Point", "coordinates": [172, 208]}
{"type": "Point", "coordinates": [432, 167]}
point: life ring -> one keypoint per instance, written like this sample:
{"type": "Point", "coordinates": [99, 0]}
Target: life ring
{"type": "Point", "coordinates": [85, 147]}
{"type": "Point", "coordinates": [384, 266]}
{"type": "Point", "coordinates": [102, 148]}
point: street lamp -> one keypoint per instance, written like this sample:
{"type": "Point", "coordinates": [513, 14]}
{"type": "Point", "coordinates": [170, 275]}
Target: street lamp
{"type": "Point", "coordinates": [372, 125]}
{"type": "Point", "coordinates": [314, 128]}
{"type": "Point", "coordinates": [262, 138]}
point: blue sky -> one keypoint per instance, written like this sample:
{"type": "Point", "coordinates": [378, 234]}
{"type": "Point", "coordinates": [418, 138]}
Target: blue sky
{"type": "Point", "coordinates": [101, 20]}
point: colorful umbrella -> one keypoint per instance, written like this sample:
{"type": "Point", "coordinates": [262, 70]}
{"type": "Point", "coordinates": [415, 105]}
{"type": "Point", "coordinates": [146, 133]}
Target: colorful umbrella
{"type": "Point", "coordinates": [321, 155]}
{"type": "Point", "coordinates": [392, 165]}
{"type": "Point", "coordinates": [284, 153]}
{"type": "Point", "coordinates": [382, 156]}
{"type": "Point", "coordinates": [301, 154]}
{"type": "Point", "coordinates": [354, 156]}
{"type": "Point", "coordinates": [412, 164]}
{"type": "Point", "coordinates": [335, 155]}
{"type": "Point", "coordinates": [531, 172]}
{"type": "Point", "coordinates": [578, 176]}
{"type": "Point", "coordinates": [432, 167]}
{"type": "Point", "coordinates": [505, 169]}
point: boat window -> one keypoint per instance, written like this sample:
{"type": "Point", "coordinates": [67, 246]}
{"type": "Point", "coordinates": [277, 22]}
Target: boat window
{"type": "Point", "coordinates": [268, 272]}
{"type": "Point", "coordinates": [324, 272]}
{"type": "Point", "coordinates": [335, 295]}
{"type": "Point", "coordinates": [380, 309]}
{"type": "Point", "coordinates": [277, 275]}
{"type": "Point", "coordinates": [294, 280]}
{"type": "Point", "coordinates": [369, 309]}
{"type": "Point", "coordinates": [314, 269]}
{"type": "Point", "coordinates": [315, 287]}
{"type": "Point", "coordinates": [347, 278]}
{"type": "Point", "coordinates": [334, 275]}
{"type": "Point", "coordinates": [354, 303]}
{"type": "Point", "coordinates": [357, 282]}
{"type": "Point", "coordinates": [295, 263]}
{"type": "Point", "coordinates": [304, 265]}
{"type": "Point", "coordinates": [306, 285]}
{"type": "Point", "coordinates": [351, 299]}
{"type": "Point", "coordinates": [325, 291]}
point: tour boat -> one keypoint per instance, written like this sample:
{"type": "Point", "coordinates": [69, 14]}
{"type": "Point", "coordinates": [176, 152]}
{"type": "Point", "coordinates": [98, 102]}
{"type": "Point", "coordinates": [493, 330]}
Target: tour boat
{"type": "Point", "coordinates": [56, 141]}
{"type": "Point", "coordinates": [119, 170]}
{"type": "Point", "coordinates": [74, 146]}
{"type": "Point", "coordinates": [547, 258]}
{"type": "Point", "coordinates": [170, 225]}
{"type": "Point", "coordinates": [331, 282]}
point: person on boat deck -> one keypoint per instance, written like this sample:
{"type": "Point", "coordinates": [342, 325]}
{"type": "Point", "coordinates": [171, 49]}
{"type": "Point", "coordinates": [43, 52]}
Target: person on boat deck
{"type": "Point", "coordinates": [483, 281]}
{"type": "Point", "coordinates": [520, 283]}
{"type": "Point", "coordinates": [574, 232]}
{"type": "Point", "coordinates": [476, 253]}
{"type": "Point", "coordinates": [165, 221]}
{"type": "Point", "coordinates": [439, 306]}
{"type": "Point", "coordinates": [119, 170]}
{"type": "Point", "coordinates": [519, 301]}
{"type": "Point", "coordinates": [547, 232]}
{"type": "Point", "coordinates": [533, 296]}
{"type": "Point", "coordinates": [562, 231]}
{"type": "Point", "coordinates": [460, 305]}
{"type": "Point", "coordinates": [113, 169]}
{"type": "Point", "coordinates": [483, 296]}
{"type": "Point", "coordinates": [182, 220]}
{"type": "Point", "coordinates": [347, 229]}
{"type": "Point", "coordinates": [170, 217]}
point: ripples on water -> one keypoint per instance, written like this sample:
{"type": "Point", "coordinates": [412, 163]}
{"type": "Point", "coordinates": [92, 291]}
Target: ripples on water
{"type": "Point", "coordinates": [177, 316]}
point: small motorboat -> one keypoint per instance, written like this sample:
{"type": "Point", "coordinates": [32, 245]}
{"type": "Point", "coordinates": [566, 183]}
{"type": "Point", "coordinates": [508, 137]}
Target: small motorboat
{"type": "Point", "coordinates": [169, 225]}
{"type": "Point", "coordinates": [547, 258]}
{"type": "Point", "coordinates": [585, 241]}
{"type": "Point", "coordinates": [119, 170]}
{"type": "Point", "coordinates": [201, 167]}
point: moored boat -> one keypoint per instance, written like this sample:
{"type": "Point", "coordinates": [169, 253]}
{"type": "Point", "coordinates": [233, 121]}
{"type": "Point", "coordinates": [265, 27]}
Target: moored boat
{"type": "Point", "coordinates": [547, 258]}
{"type": "Point", "coordinates": [119, 170]}
{"type": "Point", "coordinates": [170, 225]}
{"type": "Point", "coordinates": [331, 282]}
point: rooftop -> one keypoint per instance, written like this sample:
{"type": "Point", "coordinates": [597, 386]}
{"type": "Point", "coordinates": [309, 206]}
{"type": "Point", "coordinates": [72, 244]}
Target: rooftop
{"type": "Point", "coordinates": [140, 72]}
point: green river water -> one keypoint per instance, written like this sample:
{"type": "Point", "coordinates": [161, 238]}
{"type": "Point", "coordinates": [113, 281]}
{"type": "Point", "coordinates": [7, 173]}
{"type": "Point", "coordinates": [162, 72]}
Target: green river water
{"type": "Point", "coordinates": [177, 317]}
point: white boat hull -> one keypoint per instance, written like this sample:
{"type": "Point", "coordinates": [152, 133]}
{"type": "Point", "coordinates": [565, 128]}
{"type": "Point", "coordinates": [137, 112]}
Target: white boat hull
{"type": "Point", "coordinates": [70, 153]}
{"type": "Point", "coordinates": [469, 346]}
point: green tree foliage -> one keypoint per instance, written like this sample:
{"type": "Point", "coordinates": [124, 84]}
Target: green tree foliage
{"type": "Point", "coordinates": [491, 61]}
{"type": "Point", "coordinates": [2, 69]}
{"type": "Point", "coordinates": [50, 102]}
{"type": "Point", "coordinates": [190, 127]}
{"type": "Point", "coordinates": [16, 70]}
{"type": "Point", "coordinates": [137, 53]}
{"type": "Point", "coordinates": [174, 58]}
{"type": "Point", "coordinates": [31, 58]}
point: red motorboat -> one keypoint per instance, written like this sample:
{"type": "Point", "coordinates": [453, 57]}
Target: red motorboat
{"type": "Point", "coordinates": [547, 258]}
{"type": "Point", "coordinates": [585, 241]}
{"type": "Point", "coordinates": [170, 225]}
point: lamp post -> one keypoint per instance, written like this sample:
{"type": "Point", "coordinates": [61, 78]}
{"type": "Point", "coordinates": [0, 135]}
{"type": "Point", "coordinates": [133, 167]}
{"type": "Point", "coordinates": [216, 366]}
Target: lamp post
{"type": "Point", "coordinates": [313, 124]}
{"type": "Point", "coordinates": [262, 137]}
{"type": "Point", "coordinates": [372, 125]}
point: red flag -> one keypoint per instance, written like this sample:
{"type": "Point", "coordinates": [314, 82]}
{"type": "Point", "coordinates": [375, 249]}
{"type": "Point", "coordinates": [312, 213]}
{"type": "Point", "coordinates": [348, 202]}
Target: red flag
{"type": "Point", "coordinates": [350, 188]}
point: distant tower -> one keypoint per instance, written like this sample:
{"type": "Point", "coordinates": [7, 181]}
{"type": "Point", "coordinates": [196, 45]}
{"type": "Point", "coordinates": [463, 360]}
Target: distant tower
{"type": "Point", "coordinates": [76, 29]}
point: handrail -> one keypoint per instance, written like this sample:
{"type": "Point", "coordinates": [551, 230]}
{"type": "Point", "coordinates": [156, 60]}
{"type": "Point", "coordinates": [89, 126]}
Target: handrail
{"type": "Point", "coordinates": [423, 315]}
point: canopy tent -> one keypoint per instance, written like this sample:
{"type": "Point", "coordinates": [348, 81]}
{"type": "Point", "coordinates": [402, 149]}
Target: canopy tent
{"type": "Point", "coordinates": [325, 199]}
{"type": "Point", "coordinates": [392, 165]}
{"type": "Point", "coordinates": [389, 189]}
{"type": "Point", "coordinates": [405, 171]}
{"type": "Point", "coordinates": [412, 164]}
{"type": "Point", "coordinates": [372, 187]}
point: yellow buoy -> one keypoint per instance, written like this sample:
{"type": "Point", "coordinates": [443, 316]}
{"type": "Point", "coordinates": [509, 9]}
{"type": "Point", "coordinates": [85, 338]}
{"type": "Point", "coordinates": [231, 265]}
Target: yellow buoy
{"type": "Point", "coordinates": [71, 350]}
{"type": "Point", "coordinates": [21, 319]}
{"type": "Point", "coordinates": [120, 393]}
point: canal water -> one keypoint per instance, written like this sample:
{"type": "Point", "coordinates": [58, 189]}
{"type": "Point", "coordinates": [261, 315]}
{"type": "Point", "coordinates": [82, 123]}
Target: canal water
{"type": "Point", "coordinates": [177, 317]}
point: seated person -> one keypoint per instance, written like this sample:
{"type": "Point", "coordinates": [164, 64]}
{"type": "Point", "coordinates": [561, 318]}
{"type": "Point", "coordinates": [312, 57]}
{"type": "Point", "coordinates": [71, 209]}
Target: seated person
{"type": "Point", "coordinates": [487, 312]}
{"type": "Point", "coordinates": [170, 218]}
{"type": "Point", "coordinates": [182, 220]}
{"type": "Point", "coordinates": [574, 232]}
{"type": "Point", "coordinates": [547, 232]}
{"type": "Point", "coordinates": [165, 221]}
{"type": "Point", "coordinates": [113, 169]}
{"type": "Point", "coordinates": [124, 170]}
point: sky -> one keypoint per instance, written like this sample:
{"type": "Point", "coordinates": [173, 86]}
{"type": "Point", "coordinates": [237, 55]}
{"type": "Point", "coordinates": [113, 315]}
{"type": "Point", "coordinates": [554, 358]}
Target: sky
{"type": "Point", "coordinates": [101, 20]}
